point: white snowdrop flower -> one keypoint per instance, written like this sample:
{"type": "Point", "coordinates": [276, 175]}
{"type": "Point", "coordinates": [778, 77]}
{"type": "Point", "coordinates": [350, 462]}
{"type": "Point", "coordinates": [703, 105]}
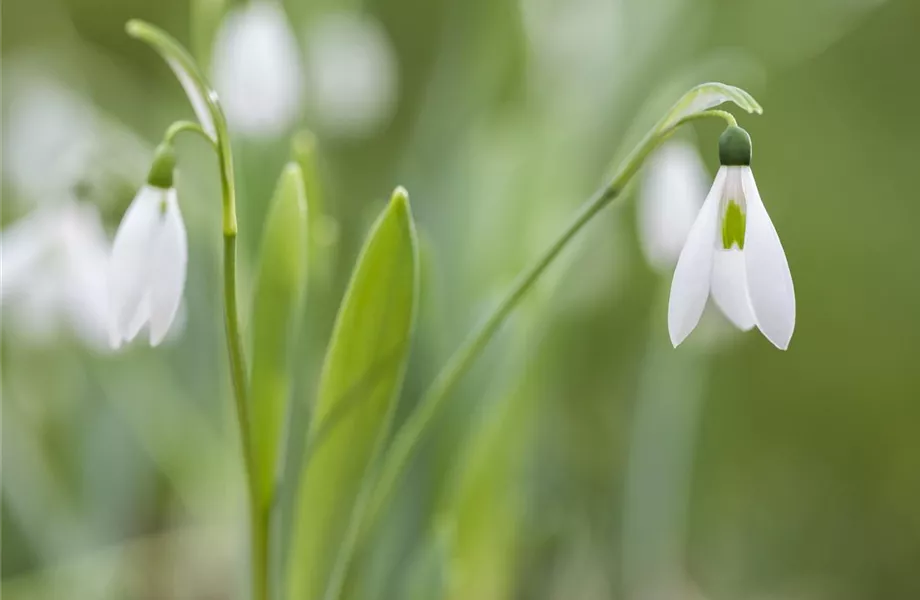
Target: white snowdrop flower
{"type": "Point", "coordinates": [56, 144]}
{"type": "Point", "coordinates": [149, 258]}
{"type": "Point", "coordinates": [49, 137]}
{"type": "Point", "coordinates": [54, 274]}
{"type": "Point", "coordinates": [733, 253]}
{"type": "Point", "coordinates": [351, 73]}
{"type": "Point", "coordinates": [673, 189]}
{"type": "Point", "coordinates": [257, 69]}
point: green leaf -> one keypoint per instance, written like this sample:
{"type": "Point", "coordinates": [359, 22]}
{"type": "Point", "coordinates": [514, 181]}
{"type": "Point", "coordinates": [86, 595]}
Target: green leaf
{"type": "Point", "coordinates": [200, 94]}
{"type": "Point", "coordinates": [704, 97]}
{"type": "Point", "coordinates": [360, 382]}
{"type": "Point", "coordinates": [279, 295]}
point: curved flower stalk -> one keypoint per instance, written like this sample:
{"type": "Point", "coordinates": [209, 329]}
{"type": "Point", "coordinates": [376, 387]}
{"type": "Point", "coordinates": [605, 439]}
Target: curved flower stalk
{"type": "Point", "coordinates": [734, 254]}
{"type": "Point", "coordinates": [696, 104]}
{"type": "Point", "coordinates": [212, 125]}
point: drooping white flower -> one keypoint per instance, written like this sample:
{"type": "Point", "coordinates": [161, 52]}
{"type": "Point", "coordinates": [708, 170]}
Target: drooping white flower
{"type": "Point", "coordinates": [734, 254]}
{"type": "Point", "coordinates": [54, 264]}
{"type": "Point", "coordinates": [257, 69]}
{"type": "Point", "coordinates": [673, 190]}
{"type": "Point", "coordinates": [56, 142]}
{"type": "Point", "coordinates": [351, 73]}
{"type": "Point", "coordinates": [149, 259]}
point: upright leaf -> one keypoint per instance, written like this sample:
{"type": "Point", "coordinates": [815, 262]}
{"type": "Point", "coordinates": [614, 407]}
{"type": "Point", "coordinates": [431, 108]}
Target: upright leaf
{"type": "Point", "coordinates": [278, 302]}
{"type": "Point", "coordinates": [360, 382]}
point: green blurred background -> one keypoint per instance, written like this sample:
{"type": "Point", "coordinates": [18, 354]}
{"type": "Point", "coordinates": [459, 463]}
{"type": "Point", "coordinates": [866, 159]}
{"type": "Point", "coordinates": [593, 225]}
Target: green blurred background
{"type": "Point", "coordinates": [583, 457]}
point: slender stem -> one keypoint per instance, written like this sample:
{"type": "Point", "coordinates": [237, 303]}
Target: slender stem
{"type": "Point", "coordinates": [190, 126]}
{"type": "Point", "coordinates": [410, 434]}
{"type": "Point", "coordinates": [259, 516]}
{"type": "Point", "coordinates": [200, 93]}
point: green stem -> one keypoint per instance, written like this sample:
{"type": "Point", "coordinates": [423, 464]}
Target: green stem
{"type": "Point", "coordinates": [259, 516]}
{"type": "Point", "coordinates": [190, 126]}
{"type": "Point", "coordinates": [410, 434]}
{"type": "Point", "coordinates": [200, 93]}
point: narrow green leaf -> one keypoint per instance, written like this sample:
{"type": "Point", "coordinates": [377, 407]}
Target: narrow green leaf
{"type": "Point", "coordinates": [706, 96]}
{"type": "Point", "coordinates": [200, 94]}
{"type": "Point", "coordinates": [361, 378]}
{"type": "Point", "coordinates": [278, 302]}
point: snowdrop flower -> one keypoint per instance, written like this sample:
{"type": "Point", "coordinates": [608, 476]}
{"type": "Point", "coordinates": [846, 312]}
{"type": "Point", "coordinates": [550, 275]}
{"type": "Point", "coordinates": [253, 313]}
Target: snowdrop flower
{"type": "Point", "coordinates": [54, 142]}
{"type": "Point", "coordinates": [351, 72]}
{"type": "Point", "coordinates": [149, 258]}
{"type": "Point", "coordinates": [54, 274]}
{"type": "Point", "coordinates": [672, 192]}
{"type": "Point", "coordinates": [257, 69]}
{"type": "Point", "coordinates": [734, 253]}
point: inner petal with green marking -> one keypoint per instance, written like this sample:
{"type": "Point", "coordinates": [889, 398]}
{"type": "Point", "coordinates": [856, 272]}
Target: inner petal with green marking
{"type": "Point", "coordinates": [733, 226]}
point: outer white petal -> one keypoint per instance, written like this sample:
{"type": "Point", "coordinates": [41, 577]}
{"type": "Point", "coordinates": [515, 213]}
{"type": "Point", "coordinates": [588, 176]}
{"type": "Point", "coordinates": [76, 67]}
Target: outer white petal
{"type": "Point", "coordinates": [673, 190]}
{"type": "Point", "coordinates": [130, 263]}
{"type": "Point", "coordinates": [169, 257]}
{"type": "Point", "coordinates": [138, 320]}
{"type": "Point", "coordinates": [769, 280]}
{"type": "Point", "coordinates": [690, 286]}
{"type": "Point", "coordinates": [196, 98]}
{"type": "Point", "coordinates": [23, 245]}
{"type": "Point", "coordinates": [729, 288]}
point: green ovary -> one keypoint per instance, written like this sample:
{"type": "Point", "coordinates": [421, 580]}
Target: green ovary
{"type": "Point", "coordinates": [733, 227]}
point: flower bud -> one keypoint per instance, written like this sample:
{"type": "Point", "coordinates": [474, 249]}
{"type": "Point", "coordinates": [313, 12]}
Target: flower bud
{"type": "Point", "coordinates": [735, 147]}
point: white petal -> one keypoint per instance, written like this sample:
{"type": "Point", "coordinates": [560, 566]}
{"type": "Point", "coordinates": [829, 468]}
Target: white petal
{"type": "Point", "coordinates": [729, 288]}
{"type": "Point", "coordinates": [169, 257]}
{"type": "Point", "coordinates": [196, 96]}
{"type": "Point", "coordinates": [138, 320]}
{"type": "Point", "coordinates": [673, 190]}
{"type": "Point", "coordinates": [23, 245]}
{"type": "Point", "coordinates": [690, 286]}
{"type": "Point", "coordinates": [769, 280]}
{"type": "Point", "coordinates": [130, 263]}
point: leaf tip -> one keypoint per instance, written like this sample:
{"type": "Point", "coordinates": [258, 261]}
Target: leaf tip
{"type": "Point", "coordinates": [135, 27]}
{"type": "Point", "coordinates": [400, 199]}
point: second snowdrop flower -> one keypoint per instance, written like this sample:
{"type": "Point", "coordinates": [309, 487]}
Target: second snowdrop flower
{"type": "Point", "coordinates": [149, 258]}
{"type": "Point", "coordinates": [733, 253]}
{"type": "Point", "coordinates": [257, 69]}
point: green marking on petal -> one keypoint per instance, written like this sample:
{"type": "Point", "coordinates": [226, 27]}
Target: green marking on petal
{"type": "Point", "coordinates": [733, 226]}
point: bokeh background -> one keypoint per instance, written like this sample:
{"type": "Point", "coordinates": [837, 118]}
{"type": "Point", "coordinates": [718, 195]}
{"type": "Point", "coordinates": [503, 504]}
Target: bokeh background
{"type": "Point", "coordinates": [583, 457]}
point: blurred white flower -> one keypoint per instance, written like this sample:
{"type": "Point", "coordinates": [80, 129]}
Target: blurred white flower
{"type": "Point", "coordinates": [49, 138]}
{"type": "Point", "coordinates": [351, 73]}
{"type": "Point", "coordinates": [257, 69]}
{"type": "Point", "coordinates": [54, 265]}
{"type": "Point", "coordinates": [55, 140]}
{"type": "Point", "coordinates": [673, 189]}
{"type": "Point", "coordinates": [733, 253]}
{"type": "Point", "coordinates": [148, 266]}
